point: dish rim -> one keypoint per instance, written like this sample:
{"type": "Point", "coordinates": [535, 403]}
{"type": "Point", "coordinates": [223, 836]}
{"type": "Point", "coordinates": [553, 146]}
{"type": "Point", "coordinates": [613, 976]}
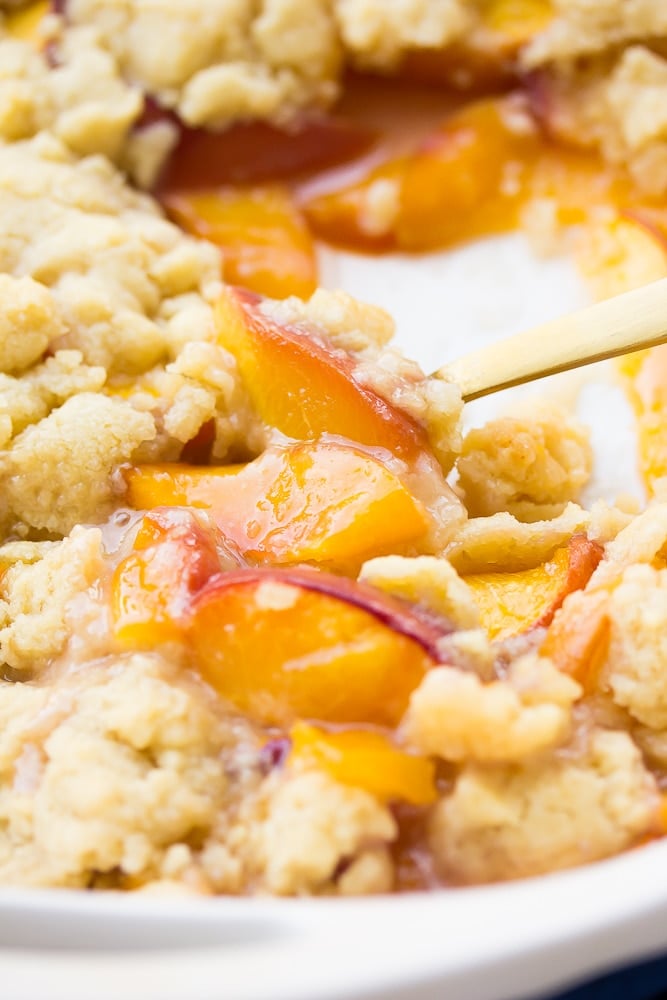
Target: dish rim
{"type": "Point", "coordinates": [496, 939]}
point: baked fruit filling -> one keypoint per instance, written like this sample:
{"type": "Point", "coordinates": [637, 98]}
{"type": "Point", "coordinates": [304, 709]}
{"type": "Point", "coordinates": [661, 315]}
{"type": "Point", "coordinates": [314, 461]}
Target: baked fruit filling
{"type": "Point", "coordinates": [270, 621]}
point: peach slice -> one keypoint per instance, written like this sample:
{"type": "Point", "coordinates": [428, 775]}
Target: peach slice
{"type": "Point", "coordinates": [577, 638]}
{"type": "Point", "coordinates": [302, 385]}
{"type": "Point", "coordinates": [254, 152]}
{"type": "Point", "coordinates": [323, 502]}
{"type": "Point", "coordinates": [510, 603]}
{"type": "Point", "coordinates": [367, 760]}
{"type": "Point", "coordinates": [363, 214]}
{"type": "Point", "coordinates": [477, 174]}
{"type": "Point", "coordinates": [265, 243]}
{"type": "Point", "coordinates": [469, 178]}
{"type": "Point", "coordinates": [152, 587]}
{"type": "Point", "coordinates": [293, 644]}
{"type": "Point", "coordinates": [23, 23]}
{"type": "Point", "coordinates": [486, 167]}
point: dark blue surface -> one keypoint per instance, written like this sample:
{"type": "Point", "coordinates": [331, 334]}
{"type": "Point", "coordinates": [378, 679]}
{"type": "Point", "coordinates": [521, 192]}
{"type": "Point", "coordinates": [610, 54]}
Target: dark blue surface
{"type": "Point", "coordinates": [640, 982]}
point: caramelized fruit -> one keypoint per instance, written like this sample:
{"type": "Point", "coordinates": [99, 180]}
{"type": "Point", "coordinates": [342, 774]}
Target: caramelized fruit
{"type": "Point", "coordinates": [293, 644]}
{"type": "Point", "coordinates": [323, 502]}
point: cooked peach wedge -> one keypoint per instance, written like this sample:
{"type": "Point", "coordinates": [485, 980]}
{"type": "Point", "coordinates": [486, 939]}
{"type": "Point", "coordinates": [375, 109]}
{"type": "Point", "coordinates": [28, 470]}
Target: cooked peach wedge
{"type": "Point", "coordinates": [367, 760]}
{"type": "Point", "coordinates": [363, 214]}
{"type": "Point", "coordinates": [304, 387]}
{"type": "Point", "coordinates": [474, 176]}
{"type": "Point", "coordinates": [468, 178]}
{"type": "Point", "coordinates": [265, 242]}
{"type": "Point", "coordinates": [24, 22]}
{"type": "Point", "coordinates": [255, 152]}
{"type": "Point", "coordinates": [152, 587]}
{"type": "Point", "coordinates": [510, 603]}
{"type": "Point", "coordinates": [290, 644]}
{"type": "Point", "coordinates": [321, 502]}
{"type": "Point", "coordinates": [577, 638]}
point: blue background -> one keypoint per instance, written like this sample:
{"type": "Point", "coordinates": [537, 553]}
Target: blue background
{"type": "Point", "coordinates": [641, 982]}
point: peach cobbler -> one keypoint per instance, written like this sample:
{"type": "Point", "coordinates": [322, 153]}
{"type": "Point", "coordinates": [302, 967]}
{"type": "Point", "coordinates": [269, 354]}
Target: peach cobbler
{"type": "Point", "coordinates": [269, 621]}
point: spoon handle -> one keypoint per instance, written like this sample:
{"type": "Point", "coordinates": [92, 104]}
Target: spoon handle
{"type": "Point", "coordinates": [621, 325]}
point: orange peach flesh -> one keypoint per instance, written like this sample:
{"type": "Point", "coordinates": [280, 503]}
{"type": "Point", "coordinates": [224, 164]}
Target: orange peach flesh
{"type": "Point", "coordinates": [258, 153]}
{"type": "Point", "coordinates": [367, 760]}
{"type": "Point", "coordinates": [312, 502]}
{"type": "Point", "coordinates": [299, 644]}
{"type": "Point", "coordinates": [304, 387]}
{"type": "Point", "coordinates": [510, 603]}
{"type": "Point", "coordinates": [475, 175]}
{"type": "Point", "coordinates": [151, 588]}
{"type": "Point", "coordinates": [576, 640]}
{"type": "Point", "coordinates": [265, 243]}
{"type": "Point", "coordinates": [24, 23]}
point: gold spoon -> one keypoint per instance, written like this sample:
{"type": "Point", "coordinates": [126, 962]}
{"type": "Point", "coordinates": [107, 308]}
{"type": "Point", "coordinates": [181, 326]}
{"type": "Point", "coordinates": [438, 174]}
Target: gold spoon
{"type": "Point", "coordinates": [621, 325]}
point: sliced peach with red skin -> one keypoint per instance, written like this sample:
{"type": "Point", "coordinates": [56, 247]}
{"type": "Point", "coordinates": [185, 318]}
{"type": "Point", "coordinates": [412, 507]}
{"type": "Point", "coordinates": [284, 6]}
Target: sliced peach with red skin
{"type": "Point", "coordinates": [151, 589]}
{"type": "Point", "coordinates": [265, 242]}
{"type": "Point", "coordinates": [291, 644]}
{"type": "Point", "coordinates": [302, 385]}
{"type": "Point", "coordinates": [324, 502]}
{"type": "Point", "coordinates": [255, 152]}
{"type": "Point", "coordinates": [511, 603]}
{"type": "Point", "coordinates": [367, 760]}
{"type": "Point", "coordinates": [578, 636]}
